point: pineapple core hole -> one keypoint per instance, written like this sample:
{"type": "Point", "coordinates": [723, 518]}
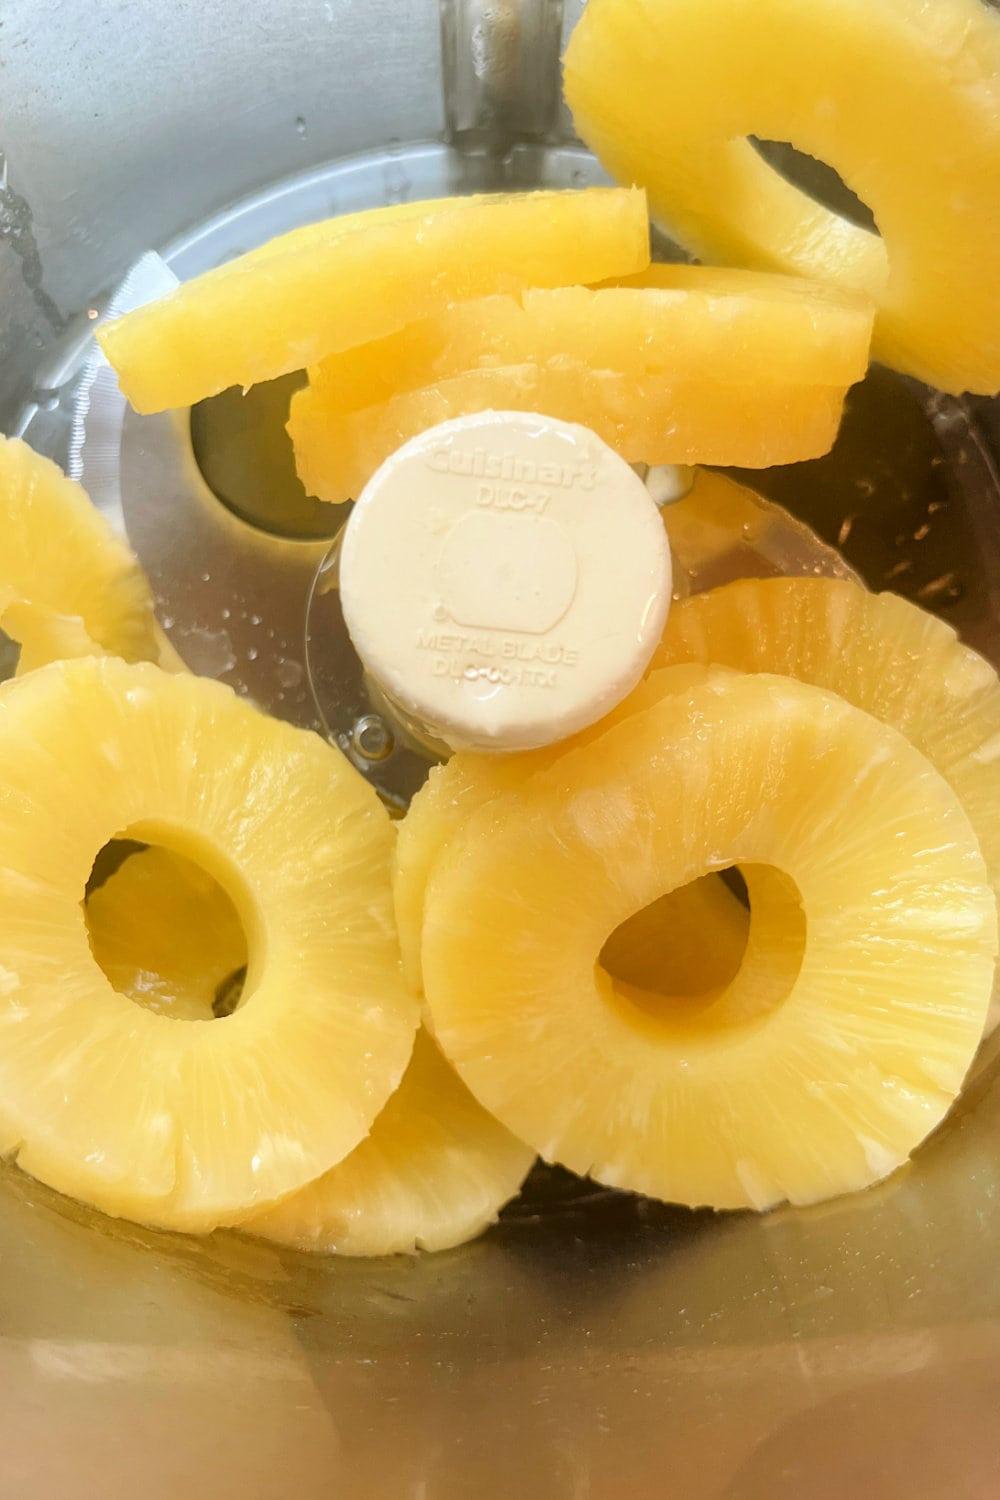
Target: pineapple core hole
{"type": "Point", "coordinates": [722, 951]}
{"type": "Point", "coordinates": [817, 178]}
{"type": "Point", "coordinates": [165, 932]}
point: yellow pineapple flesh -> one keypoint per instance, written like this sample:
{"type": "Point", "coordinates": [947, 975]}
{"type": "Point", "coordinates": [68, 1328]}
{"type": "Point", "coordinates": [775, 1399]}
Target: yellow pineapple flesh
{"type": "Point", "coordinates": [435, 1169]}
{"type": "Point", "coordinates": [681, 322]}
{"type": "Point", "coordinates": [167, 935]}
{"type": "Point", "coordinates": [434, 1172]}
{"type": "Point", "coordinates": [900, 97]}
{"type": "Point", "coordinates": [879, 652]}
{"type": "Point", "coordinates": [190, 1123]}
{"type": "Point", "coordinates": [42, 635]}
{"type": "Point", "coordinates": [644, 418]}
{"type": "Point", "coordinates": [454, 791]}
{"type": "Point", "coordinates": [330, 286]}
{"type": "Point", "coordinates": [68, 585]}
{"type": "Point", "coordinates": [802, 1095]}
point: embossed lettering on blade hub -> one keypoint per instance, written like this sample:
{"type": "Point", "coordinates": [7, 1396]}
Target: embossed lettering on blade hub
{"type": "Point", "coordinates": [504, 577]}
{"type": "Point", "coordinates": [500, 463]}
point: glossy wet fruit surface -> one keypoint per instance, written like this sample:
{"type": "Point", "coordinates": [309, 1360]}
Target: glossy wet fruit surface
{"type": "Point", "coordinates": [866, 1047]}
{"type": "Point", "coordinates": [68, 585]}
{"type": "Point", "coordinates": [170, 1121]}
{"type": "Point", "coordinates": [342, 282]}
{"type": "Point", "coordinates": [877, 651]}
{"type": "Point", "coordinates": [899, 96]}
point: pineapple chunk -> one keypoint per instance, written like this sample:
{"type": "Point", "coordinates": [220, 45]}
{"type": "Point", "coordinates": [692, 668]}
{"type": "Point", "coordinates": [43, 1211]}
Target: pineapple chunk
{"type": "Point", "coordinates": [190, 1124]}
{"type": "Point", "coordinates": [435, 1172]}
{"type": "Point", "coordinates": [802, 1095]}
{"type": "Point", "coordinates": [877, 651]}
{"type": "Point", "coordinates": [680, 322]}
{"type": "Point", "coordinates": [900, 96]}
{"type": "Point", "coordinates": [644, 418]}
{"type": "Point", "coordinates": [332, 285]}
{"type": "Point", "coordinates": [68, 586]}
{"type": "Point", "coordinates": [436, 1168]}
{"type": "Point", "coordinates": [166, 934]}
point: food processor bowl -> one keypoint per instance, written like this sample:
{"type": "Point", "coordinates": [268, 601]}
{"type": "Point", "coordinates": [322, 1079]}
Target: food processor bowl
{"type": "Point", "coordinates": [592, 1345]}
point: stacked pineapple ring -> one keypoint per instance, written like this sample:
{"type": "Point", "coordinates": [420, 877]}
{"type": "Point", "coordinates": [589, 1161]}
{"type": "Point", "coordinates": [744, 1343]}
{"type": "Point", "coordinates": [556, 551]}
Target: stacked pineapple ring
{"type": "Point", "coordinates": [532, 896]}
{"type": "Point", "coordinates": [856, 1018]}
{"type": "Point", "coordinates": [476, 303]}
{"type": "Point", "coordinates": [900, 97]}
{"type": "Point", "coordinates": [880, 653]}
{"type": "Point", "coordinates": [676, 365]}
{"type": "Point", "coordinates": [113, 1087]}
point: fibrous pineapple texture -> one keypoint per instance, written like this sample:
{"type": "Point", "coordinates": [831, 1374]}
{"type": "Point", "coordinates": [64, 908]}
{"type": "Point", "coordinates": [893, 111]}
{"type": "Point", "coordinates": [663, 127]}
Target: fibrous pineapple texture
{"type": "Point", "coordinates": [901, 97]}
{"type": "Point", "coordinates": [68, 585]}
{"type": "Point", "coordinates": [877, 651]}
{"type": "Point", "coordinates": [715, 326]}
{"type": "Point", "coordinates": [189, 1123]}
{"type": "Point", "coordinates": [759, 1095]}
{"type": "Point", "coordinates": [434, 1172]}
{"type": "Point", "coordinates": [679, 366]}
{"type": "Point", "coordinates": [453, 792]}
{"type": "Point", "coordinates": [435, 1169]}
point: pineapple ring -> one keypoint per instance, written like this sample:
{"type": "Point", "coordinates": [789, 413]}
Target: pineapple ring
{"type": "Point", "coordinates": [68, 586]}
{"type": "Point", "coordinates": [900, 96]}
{"type": "Point", "coordinates": [731, 1110]}
{"type": "Point", "coordinates": [436, 1168]}
{"type": "Point", "coordinates": [879, 652]}
{"type": "Point", "coordinates": [172, 1122]}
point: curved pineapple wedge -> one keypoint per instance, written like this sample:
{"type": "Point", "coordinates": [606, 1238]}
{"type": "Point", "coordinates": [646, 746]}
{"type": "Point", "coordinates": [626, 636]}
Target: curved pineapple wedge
{"type": "Point", "coordinates": [68, 585]}
{"type": "Point", "coordinates": [436, 1168]}
{"type": "Point", "coordinates": [434, 1172]}
{"type": "Point", "coordinates": [645, 418]}
{"type": "Point", "coordinates": [189, 1124]}
{"type": "Point", "coordinates": [825, 1088]}
{"type": "Point", "coordinates": [332, 285]}
{"type": "Point", "coordinates": [166, 934]}
{"type": "Point", "coordinates": [899, 96]}
{"type": "Point", "coordinates": [682, 322]}
{"type": "Point", "coordinates": [877, 651]}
